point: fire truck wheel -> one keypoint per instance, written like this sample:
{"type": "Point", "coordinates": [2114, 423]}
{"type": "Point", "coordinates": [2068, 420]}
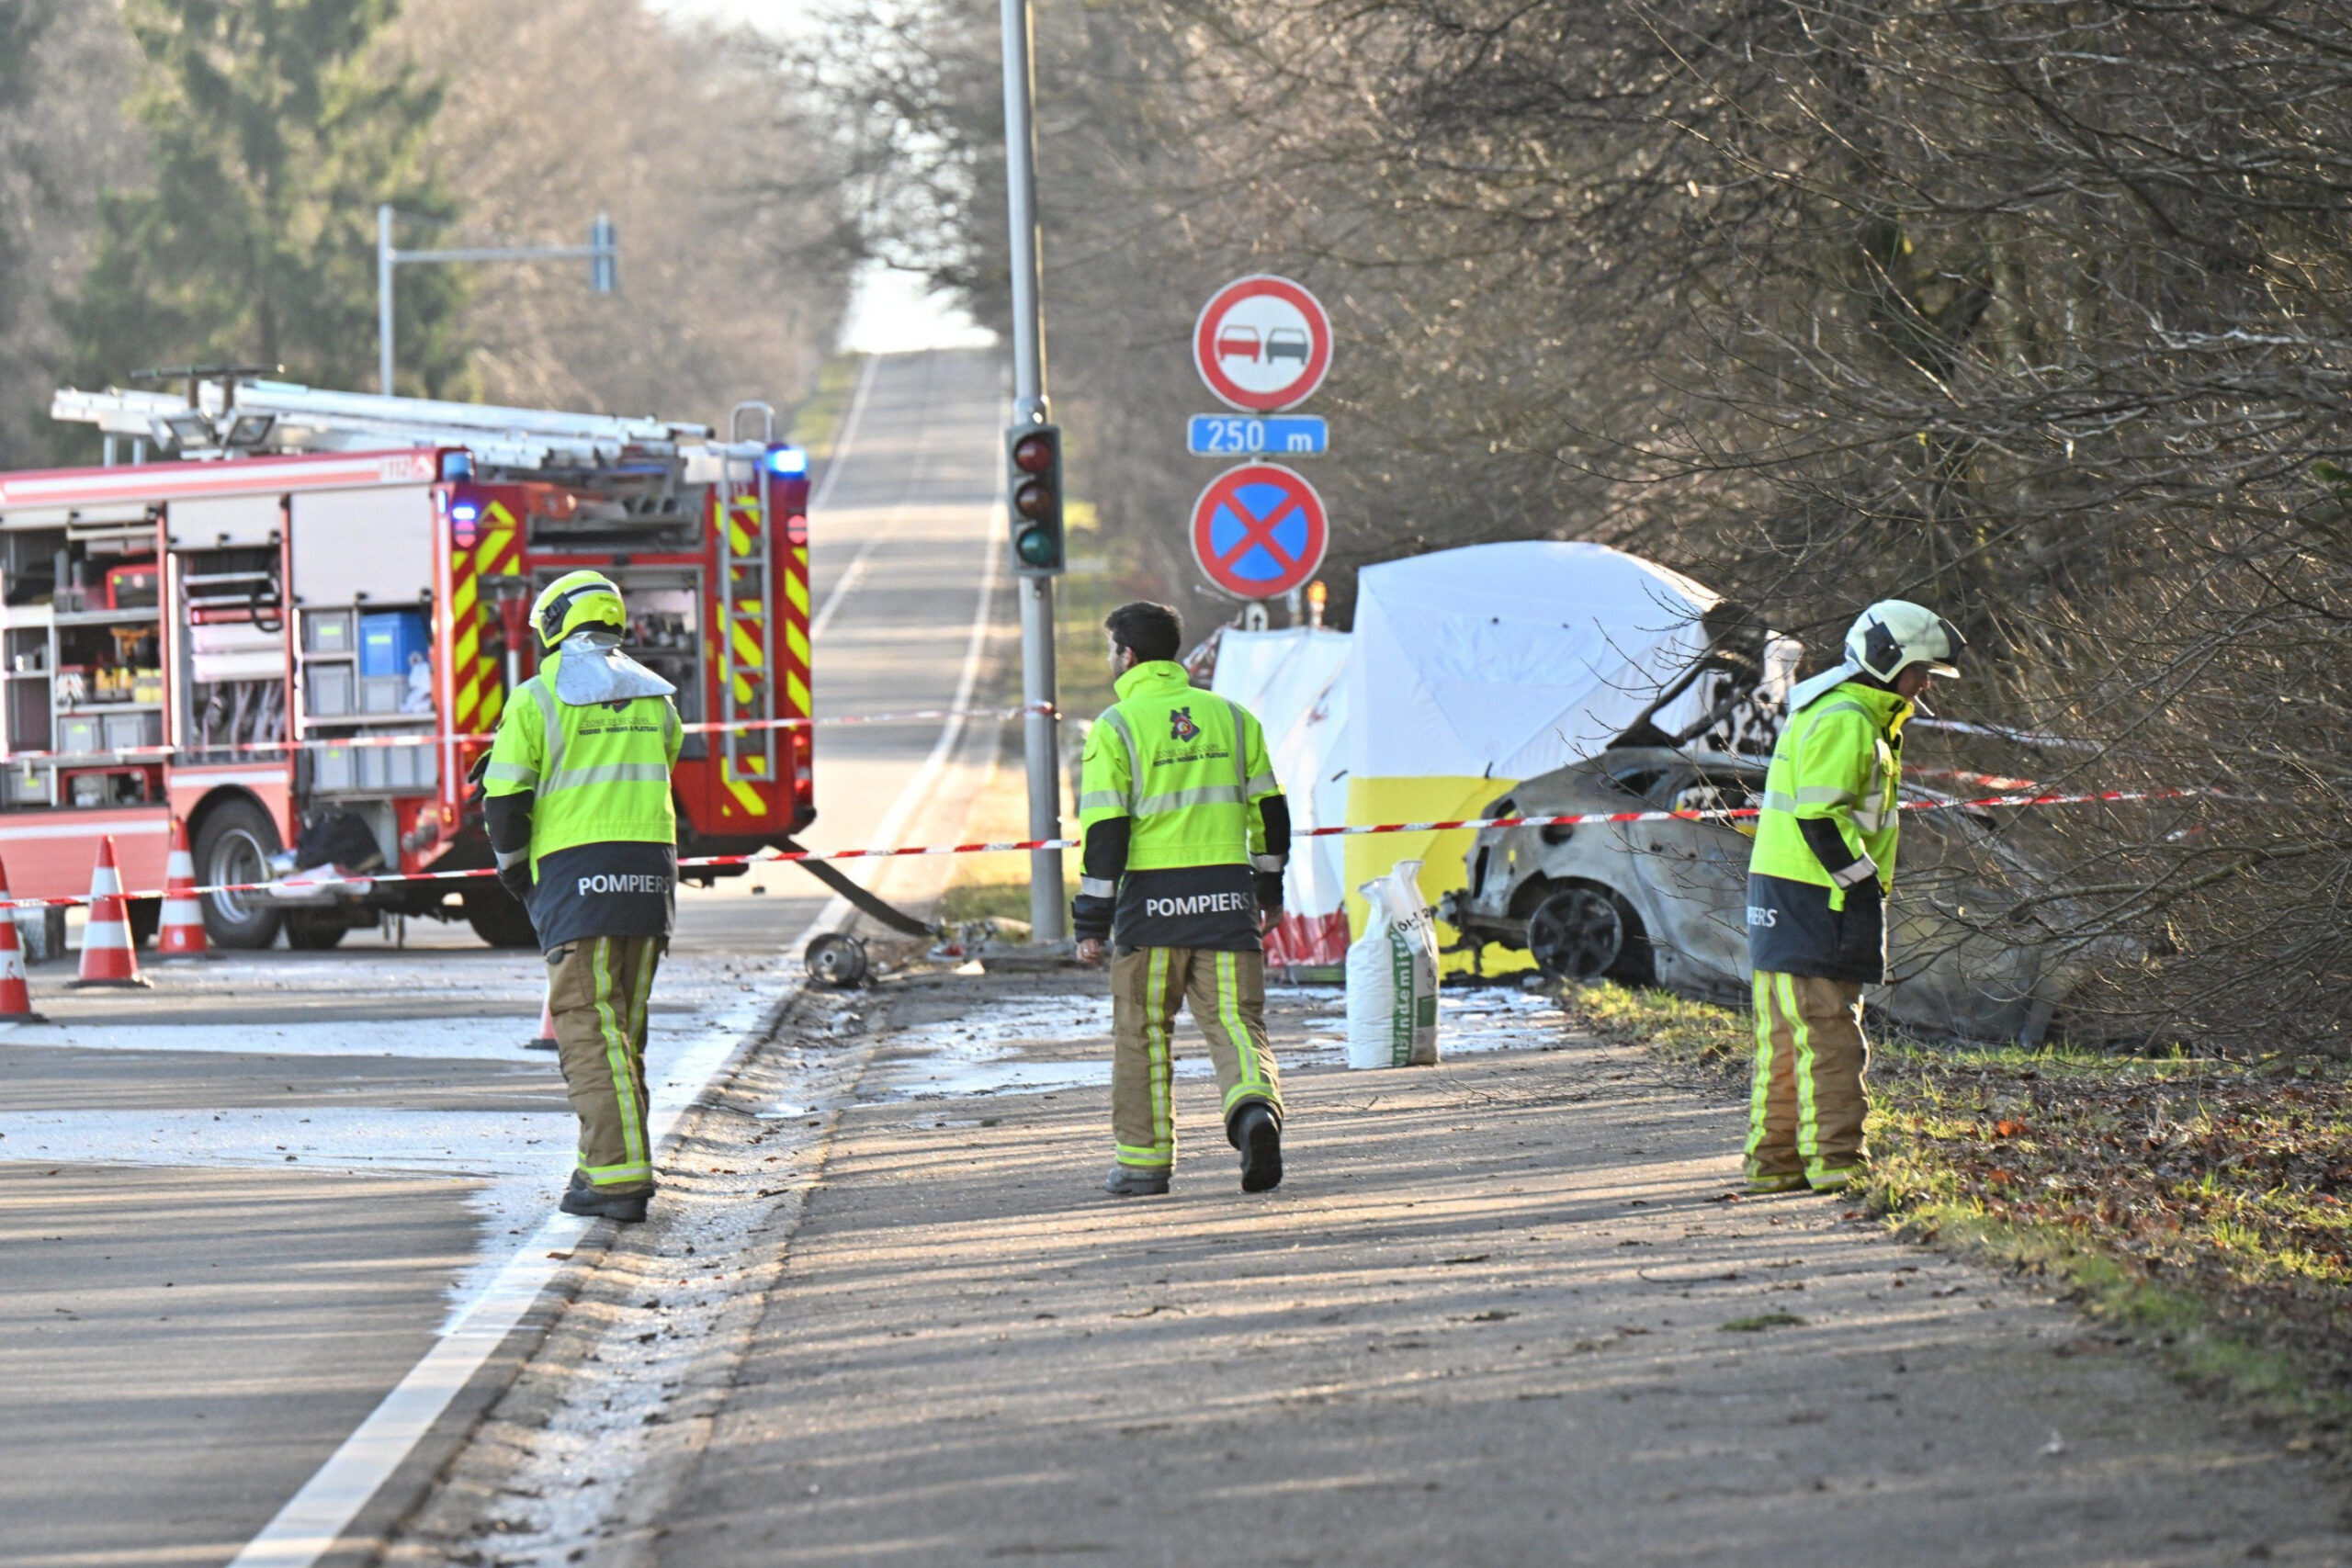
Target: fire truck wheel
{"type": "Point", "coordinates": [497, 919]}
{"type": "Point", "coordinates": [314, 930]}
{"type": "Point", "coordinates": [234, 844]}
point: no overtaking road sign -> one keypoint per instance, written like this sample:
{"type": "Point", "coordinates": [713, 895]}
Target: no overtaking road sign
{"type": "Point", "coordinates": [1258, 531]}
{"type": "Point", "coordinates": [1263, 343]}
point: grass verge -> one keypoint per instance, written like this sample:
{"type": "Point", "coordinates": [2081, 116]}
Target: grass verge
{"type": "Point", "coordinates": [2197, 1204]}
{"type": "Point", "coordinates": [817, 421]}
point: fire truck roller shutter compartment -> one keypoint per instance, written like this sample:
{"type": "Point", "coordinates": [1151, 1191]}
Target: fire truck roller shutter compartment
{"type": "Point", "coordinates": [363, 546]}
{"type": "Point", "coordinates": [224, 522]}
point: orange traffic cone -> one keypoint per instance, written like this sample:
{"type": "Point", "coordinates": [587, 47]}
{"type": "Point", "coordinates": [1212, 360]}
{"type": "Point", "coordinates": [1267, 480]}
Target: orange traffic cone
{"type": "Point", "coordinates": [545, 1042]}
{"type": "Point", "coordinates": [16, 996]}
{"type": "Point", "coordinates": [180, 937]}
{"type": "Point", "coordinates": [106, 957]}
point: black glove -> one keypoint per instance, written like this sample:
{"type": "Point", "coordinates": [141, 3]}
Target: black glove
{"type": "Point", "coordinates": [1269, 892]}
{"type": "Point", "coordinates": [516, 880]}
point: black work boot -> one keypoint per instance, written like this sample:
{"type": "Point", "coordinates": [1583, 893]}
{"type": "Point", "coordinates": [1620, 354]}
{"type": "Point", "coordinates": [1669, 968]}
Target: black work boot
{"type": "Point", "coordinates": [1259, 1137]}
{"type": "Point", "coordinates": [585, 1197]}
{"type": "Point", "coordinates": [1136, 1181]}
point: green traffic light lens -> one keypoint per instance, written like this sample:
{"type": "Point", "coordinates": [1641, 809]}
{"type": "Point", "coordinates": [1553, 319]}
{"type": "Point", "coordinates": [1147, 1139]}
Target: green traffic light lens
{"type": "Point", "coordinates": [1035, 547]}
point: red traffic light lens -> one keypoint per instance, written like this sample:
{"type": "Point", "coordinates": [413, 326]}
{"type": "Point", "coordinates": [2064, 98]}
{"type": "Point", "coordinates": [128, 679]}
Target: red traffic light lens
{"type": "Point", "coordinates": [1034, 454]}
{"type": "Point", "coordinates": [1034, 500]}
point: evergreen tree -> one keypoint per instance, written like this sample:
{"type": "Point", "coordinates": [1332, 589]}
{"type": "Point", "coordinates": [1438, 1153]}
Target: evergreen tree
{"type": "Point", "coordinates": [275, 129]}
{"type": "Point", "coordinates": [21, 22]}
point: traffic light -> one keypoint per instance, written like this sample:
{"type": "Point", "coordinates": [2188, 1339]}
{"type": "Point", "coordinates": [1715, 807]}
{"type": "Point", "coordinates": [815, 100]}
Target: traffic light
{"type": "Point", "coordinates": [1034, 459]}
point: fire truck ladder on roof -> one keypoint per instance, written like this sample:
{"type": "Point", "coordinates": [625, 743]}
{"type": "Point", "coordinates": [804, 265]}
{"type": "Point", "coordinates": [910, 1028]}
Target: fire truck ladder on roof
{"type": "Point", "coordinates": [279, 417]}
{"type": "Point", "coordinates": [747, 631]}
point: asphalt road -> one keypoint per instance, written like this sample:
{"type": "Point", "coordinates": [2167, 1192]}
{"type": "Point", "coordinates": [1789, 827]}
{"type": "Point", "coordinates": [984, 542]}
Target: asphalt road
{"type": "Point", "coordinates": [235, 1210]}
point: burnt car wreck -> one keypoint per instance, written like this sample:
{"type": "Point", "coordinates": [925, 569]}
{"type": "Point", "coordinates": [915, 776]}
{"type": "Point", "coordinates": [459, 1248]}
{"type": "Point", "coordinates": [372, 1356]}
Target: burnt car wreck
{"type": "Point", "coordinates": [1664, 903]}
{"type": "Point", "coordinates": [1972, 928]}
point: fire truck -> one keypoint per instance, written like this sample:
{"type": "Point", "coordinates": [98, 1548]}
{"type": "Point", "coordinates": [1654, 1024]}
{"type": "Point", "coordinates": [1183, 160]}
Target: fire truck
{"type": "Point", "coordinates": [296, 628]}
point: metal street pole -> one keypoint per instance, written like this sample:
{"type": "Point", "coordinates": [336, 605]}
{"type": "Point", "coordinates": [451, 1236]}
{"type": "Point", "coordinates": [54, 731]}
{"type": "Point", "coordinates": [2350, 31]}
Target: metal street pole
{"type": "Point", "coordinates": [384, 299]}
{"type": "Point", "coordinates": [601, 253]}
{"type": "Point", "coordinates": [1040, 728]}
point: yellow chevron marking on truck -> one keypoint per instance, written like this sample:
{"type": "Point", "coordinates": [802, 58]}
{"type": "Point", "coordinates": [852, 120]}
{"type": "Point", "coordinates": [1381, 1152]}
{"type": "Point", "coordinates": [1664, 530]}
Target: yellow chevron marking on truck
{"type": "Point", "coordinates": [748, 796]}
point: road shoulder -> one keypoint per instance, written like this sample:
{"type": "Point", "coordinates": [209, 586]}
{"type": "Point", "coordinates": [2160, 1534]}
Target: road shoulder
{"type": "Point", "coordinates": [1499, 1313]}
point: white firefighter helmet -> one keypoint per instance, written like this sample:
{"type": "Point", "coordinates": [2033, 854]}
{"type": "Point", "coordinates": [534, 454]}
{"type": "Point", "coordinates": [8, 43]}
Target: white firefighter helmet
{"type": "Point", "coordinates": [1895, 634]}
{"type": "Point", "coordinates": [1885, 640]}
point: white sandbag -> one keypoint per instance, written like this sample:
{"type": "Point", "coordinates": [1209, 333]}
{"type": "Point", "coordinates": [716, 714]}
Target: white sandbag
{"type": "Point", "coordinates": [1392, 977]}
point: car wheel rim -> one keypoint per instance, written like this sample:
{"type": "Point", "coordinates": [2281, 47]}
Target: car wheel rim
{"type": "Point", "coordinates": [1577, 934]}
{"type": "Point", "coordinates": [237, 858]}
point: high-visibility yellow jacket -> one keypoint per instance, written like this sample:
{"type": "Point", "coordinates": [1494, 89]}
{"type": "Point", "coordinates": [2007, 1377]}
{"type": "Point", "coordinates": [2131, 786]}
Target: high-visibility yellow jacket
{"type": "Point", "coordinates": [1826, 838]}
{"type": "Point", "coordinates": [599, 774]}
{"type": "Point", "coordinates": [1174, 800]}
{"type": "Point", "coordinates": [1186, 765]}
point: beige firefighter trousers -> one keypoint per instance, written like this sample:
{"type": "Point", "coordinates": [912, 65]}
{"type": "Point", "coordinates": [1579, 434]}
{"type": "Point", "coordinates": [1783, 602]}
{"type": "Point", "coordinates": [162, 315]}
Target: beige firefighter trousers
{"type": "Point", "coordinates": [1228, 993]}
{"type": "Point", "coordinates": [598, 988]}
{"type": "Point", "coordinates": [1807, 1100]}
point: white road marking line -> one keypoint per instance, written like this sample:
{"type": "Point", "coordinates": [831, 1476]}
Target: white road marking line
{"type": "Point", "coordinates": [485, 1039]}
{"type": "Point", "coordinates": [846, 436]}
{"type": "Point", "coordinates": [856, 568]}
{"type": "Point", "coordinates": [314, 1519]}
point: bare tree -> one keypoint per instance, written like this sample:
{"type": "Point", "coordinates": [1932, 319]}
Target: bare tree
{"type": "Point", "coordinates": [731, 284]}
{"type": "Point", "coordinates": [2034, 309]}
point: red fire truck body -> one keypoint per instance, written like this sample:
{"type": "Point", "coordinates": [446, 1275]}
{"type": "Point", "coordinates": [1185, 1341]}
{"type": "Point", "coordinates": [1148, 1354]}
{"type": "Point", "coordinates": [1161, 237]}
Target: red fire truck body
{"type": "Point", "coordinates": [266, 645]}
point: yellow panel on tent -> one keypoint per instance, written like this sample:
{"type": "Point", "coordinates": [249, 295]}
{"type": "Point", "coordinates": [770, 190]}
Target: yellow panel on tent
{"type": "Point", "coordinates": [1444, 857]}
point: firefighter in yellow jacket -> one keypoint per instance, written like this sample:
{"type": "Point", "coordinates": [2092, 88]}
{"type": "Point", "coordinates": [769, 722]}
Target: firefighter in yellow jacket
{"type": "Point", "coordinates": [1186, 835]}
{"type": "Point", "coordinates": [1817, 883]}
{"type": "Point", "coordinates": [581, 820]}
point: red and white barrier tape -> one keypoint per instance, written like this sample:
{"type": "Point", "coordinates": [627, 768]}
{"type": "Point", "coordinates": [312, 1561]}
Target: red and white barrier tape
{"type": "Point", "coordinates": [784, 856]}
{"type": "Point", "coordinates": [320, 743]}
{"type": "Point", "coordinates": [2001, 781]}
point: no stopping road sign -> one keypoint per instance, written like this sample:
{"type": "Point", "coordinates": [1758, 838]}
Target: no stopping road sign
{"type": "Point", "coordinates": [1258, 531]}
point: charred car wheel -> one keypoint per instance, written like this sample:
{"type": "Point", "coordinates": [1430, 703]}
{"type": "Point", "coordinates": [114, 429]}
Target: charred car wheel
{"type": "Point", "coordinates": [1578, 933]}
{"type": "Point", "coordinates": [836, 961]}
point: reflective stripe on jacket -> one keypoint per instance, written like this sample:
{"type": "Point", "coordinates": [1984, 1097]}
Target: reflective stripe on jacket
{"type": "Point", "coordinates": [598, 775]}
{"type": "Point", "coordinates": [1187, 766]}
{"type": "Point", "coordinates": [1839, 759]}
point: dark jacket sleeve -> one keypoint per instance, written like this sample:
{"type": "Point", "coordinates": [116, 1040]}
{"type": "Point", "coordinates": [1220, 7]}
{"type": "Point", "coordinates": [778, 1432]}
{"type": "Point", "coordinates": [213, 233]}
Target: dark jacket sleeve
{"type": "Point", "coordinates": [508, 817]}
{"type": "Point", "coordinates": [1098, 878]}
{"type": "Point", "coordinates": [1273, 811]}
{"type": "Point", "coordinates": [1827, 844]}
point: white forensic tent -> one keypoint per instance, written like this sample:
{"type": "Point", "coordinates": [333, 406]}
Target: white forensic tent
{"type": "Point", "coordinates": [1468, 672]}
{"type": "Point", "coordinates": [1292, 681]}
{"type": "Point", "coordinates": [1476, 668]}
